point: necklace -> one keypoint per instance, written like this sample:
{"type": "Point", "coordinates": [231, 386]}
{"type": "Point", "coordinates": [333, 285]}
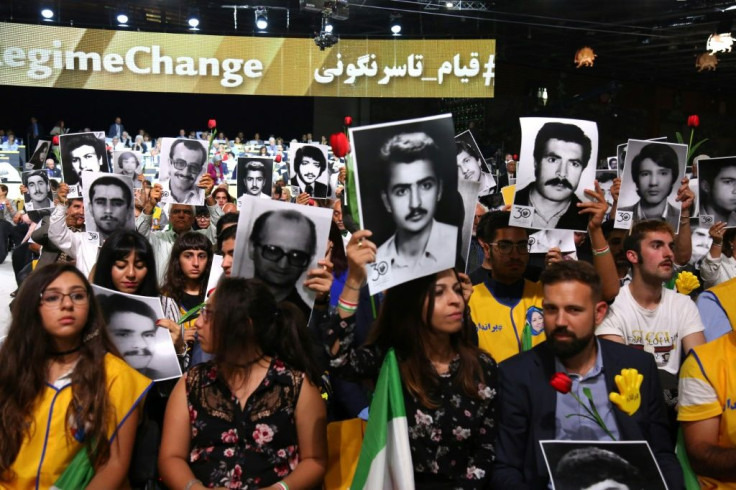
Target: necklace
{"type": "Point", "coordinates": [66, 352]}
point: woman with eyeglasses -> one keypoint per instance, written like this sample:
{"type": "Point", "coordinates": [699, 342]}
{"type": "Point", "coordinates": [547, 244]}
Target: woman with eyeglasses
{"type": "Point", "coordinates": [252, 417]}
{"type": "Point", "coordinates": [63, 386]}
{"type": "Point", "coordinates": [449, 384]}
{"type": "Point", "coordinates": [186, 279]}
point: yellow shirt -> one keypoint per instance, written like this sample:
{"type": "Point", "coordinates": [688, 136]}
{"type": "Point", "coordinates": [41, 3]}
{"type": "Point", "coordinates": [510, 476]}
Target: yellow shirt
{"type": "Point", "coordinates": [707, 385]}
{"type": "Point", "coordinates": [47, 452]}
{"type": "Point", "coordinates": [500, 326]}
{"type": "Point", "coordinates": [724, 292]}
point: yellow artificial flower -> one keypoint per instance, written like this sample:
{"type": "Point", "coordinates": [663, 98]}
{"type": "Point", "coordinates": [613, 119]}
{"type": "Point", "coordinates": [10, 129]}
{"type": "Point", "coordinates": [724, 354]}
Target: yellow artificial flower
{"type": "Point", "coordinates": [686, 282]}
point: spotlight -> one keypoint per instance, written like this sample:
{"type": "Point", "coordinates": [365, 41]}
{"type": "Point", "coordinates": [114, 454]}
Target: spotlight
{"type": "Point", "coordinates": [261, 18]}
{"type": "Point", "coordinates": [47, 14]}
{"type": "Point", "coordinates": [328, 28]}
{"type": "Point", "coordinates": [396, 28]}
{"type": "Point", "coordinates": [449, 5]}
{"type": "Point", "coordinates": [122, 19]}
{"type": "Point", "coordinates": [193, 22]}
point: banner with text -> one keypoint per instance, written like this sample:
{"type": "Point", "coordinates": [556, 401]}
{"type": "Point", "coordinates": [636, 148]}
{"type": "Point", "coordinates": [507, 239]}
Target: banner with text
{"type": "Point", "coordinates": [69, 57]}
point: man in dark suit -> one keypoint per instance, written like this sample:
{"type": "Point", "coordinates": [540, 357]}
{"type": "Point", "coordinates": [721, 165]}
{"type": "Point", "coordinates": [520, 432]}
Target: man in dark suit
{"type": "Point", "coordinates": [309, 164]}
{"type": "Point", "coordinates": [532, 410]}
{"type": "Point", "coordinates": [116, 129]}
{"type": "Point", "coordinates": [33, 134]}
{"type": "Point", "coordinates": [561, 154]}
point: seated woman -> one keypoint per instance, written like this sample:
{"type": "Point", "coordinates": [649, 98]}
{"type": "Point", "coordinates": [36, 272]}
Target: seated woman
{"type": "Point", "coordinates": [449, 384]}
{"type": "Point", "coordinates": [252, 417]}
{"type": "Point", "coordinates": [59, 368]}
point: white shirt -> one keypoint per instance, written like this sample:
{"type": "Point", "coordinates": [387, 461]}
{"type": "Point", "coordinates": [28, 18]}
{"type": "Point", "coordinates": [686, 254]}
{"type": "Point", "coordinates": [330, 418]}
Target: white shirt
{"type": "Point", "coordinates": [715, 271]}
{"type": "Point", "coordinates": [659, 331]}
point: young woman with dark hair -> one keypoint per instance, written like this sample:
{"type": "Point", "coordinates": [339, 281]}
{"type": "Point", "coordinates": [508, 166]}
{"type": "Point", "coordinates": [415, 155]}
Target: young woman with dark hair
{"type": "Point", "coordinates": [252, 417]}
{"type": "Point", "coordinates": [449, 384]}
{"type": "Point", "coordinates": [186, 279]}
{"type": "Point", "coordinates": [63, 386]}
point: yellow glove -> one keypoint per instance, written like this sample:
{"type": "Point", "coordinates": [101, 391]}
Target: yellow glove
{"type": "Point", "coordinates": [686, 282]}
{"type": "Point", "coordinates": [629, 397]}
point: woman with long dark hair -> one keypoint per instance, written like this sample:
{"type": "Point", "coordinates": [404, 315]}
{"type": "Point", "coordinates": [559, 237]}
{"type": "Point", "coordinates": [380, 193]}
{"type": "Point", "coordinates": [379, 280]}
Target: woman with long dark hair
{"type": "Point", "coordinates": [449, 384]}
{"type": "Point", "coordinates": [252, 417]}
{"type": "Point", "coordinates": [126, 263]}
{"type": "Point", "coordinates": [63, 386]}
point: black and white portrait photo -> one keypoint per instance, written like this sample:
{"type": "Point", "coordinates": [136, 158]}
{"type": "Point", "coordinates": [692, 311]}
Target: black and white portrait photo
{"type": "Point", "coordinates": [128, 163]}
{"type": "Point", "coordinates": [183, 163]}
{"type": "Point", "coordinates": [605, 180]}
{"type": "Point", "coordinates": [407, 183]}
{"type": "Point", "coordinates": [81, 153]}
{"type": "Point", "coordinates": [131, 324]}
{"type": "Point", "coordinates": [108, 204]}
{"type": "Point", "coordinates": [308, 169]}
{"type": "Point", "coordinates": [596, 465]}
{"type": "Point", "coordinates": [254, 176]}
{"type": "Point", "coordinates": [612, 163]}
{"type": "Point", "coordinates": [717, 189]}
{"type": "Point", "coordinates": [468, 190]}
{"type": "Point", "coordinates": [38, 191]}
{"type": "Point", "coordinates": [278, 242]}
{"type": "Point", "coordinates": [38, 159]}
{"type": "Point", "coordinates": [541, 241]}
{"type": "Point", "coordinates": [557, 164]}
{"type": "Point", "coordinates": [652, 175]}
{"type": "Point", "coordinates": [471, 165]}
{"type": "Point", "coordinates": [621, 158]}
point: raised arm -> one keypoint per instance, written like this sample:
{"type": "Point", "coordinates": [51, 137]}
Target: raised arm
{"type": "Point", "coordinates": [683, 239]}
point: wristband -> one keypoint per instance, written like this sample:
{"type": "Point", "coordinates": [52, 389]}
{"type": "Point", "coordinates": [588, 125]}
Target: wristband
{"type": "Point", "coordinates": [716, 244]}
{"type": "Point", "coordinates": [191, 483]}
{"type": "Point", "coordinates": [282, 484]}
{"type": "Point", "coordinates": [602, 251]}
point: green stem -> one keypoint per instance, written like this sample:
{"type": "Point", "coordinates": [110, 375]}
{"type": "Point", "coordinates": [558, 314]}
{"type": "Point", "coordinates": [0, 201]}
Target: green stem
{"type": "Point", "coordinates": [690, 146]}
{"type": "Point", "coordinates": [594, 416]}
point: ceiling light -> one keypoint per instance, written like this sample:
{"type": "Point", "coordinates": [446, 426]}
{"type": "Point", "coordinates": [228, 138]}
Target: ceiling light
{"type": "Point", "coordinates": [122, 19]}
{"type": "Point", "coordinates": [193, 22]}
{"type": "Point", "coordinates": [449, 5]}
{"type": "Point", "coordinates": [396, 29]}
{"type": "Point", "coordinates": [328, 28]}
{"type": "Point", "coordinates": [47, 14]}
{"type": "Point", "coordinates": [732, 7]}
{"type": "Point", "coordinates": [261, 18]}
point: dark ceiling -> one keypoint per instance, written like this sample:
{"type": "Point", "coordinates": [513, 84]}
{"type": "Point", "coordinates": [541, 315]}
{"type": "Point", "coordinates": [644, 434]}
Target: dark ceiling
{"type": "Point", "coordinates": [646, 40]}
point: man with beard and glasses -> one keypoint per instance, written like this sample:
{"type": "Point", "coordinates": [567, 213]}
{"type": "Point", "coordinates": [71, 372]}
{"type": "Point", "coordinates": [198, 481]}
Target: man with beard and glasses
{"type": "Point", "coordinates": [561, 154]}
{"type": "Point", "coordinates": [413, 188]}
{"type": "Point", "coordinates": [532, 410]}
{"type": "Point", "coordinates": [645, 314]}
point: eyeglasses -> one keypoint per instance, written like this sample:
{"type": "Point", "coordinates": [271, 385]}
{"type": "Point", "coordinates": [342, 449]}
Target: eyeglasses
{"type": "Point", "coordinates": [505, 247]}
{"type": "Point", "coordinates": [53, 299]}
{"type": "Point", "coordinates": [183, 164]}
{"type": "Point", "coordinates": [296, 258]}
{"type": "Point", "coordinates": [206, 313]}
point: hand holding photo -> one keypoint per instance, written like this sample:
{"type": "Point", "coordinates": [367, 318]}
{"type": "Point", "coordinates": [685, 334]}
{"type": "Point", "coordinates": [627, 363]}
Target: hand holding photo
{"type": "Point", "coordinates": [129, 164]}
{"type": "Point", "coordinates": [38, 195]}
{"type": "Point", "coordinates": [183, 163]}
{"type": "Point", "coordinates": [108, 204]}
{"type": "Point", "coordinates": [308, 169]}
{"type": "Point", "coordinates": [717, 178]}
{"type": "Point", "coordinates": [471, 165]}
{"type": "Point", "coordinates": [81, 153]}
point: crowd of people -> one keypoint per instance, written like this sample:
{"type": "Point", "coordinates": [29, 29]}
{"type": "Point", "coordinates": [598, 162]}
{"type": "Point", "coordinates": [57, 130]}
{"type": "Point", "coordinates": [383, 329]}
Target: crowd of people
{"type": "Point", "coordinates": [264, 372]}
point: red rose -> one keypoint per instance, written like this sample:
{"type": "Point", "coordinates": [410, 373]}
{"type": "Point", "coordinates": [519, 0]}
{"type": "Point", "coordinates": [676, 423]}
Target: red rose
{"type": "Point", "coordinates": [340, 144]}
{"type": "Point", "coordinates": [212, 124]}
{"type": "Point", "coordinates": [55, 140]}
{"type": "Point", "coordinates": [516, 157]}
{"type": "Point", "coordinates": [693, 121]}
{"type": "Point", "coordinates": [561, 382]}
{"type": "Point", "coordinates": [278, 158]}
{"type": "Point", "coordinates": [348, 120]}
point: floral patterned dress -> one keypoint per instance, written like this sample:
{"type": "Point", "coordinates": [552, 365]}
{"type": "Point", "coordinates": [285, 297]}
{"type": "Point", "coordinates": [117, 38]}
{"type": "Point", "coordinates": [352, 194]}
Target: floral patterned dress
{"type": "Point", "coordinates": [243, 448]}
{"type": "Point", "coordinates": [451, 445]}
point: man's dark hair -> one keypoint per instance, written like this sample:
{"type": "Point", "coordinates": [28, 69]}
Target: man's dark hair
{"type": "Point", "coordinates": [661, 154]}
{"type": "Point", "coordinates": [189, 145]}
{"type": "Point", "coordinates": [256, 235]}
{"type": "Point", "coordinates": [583, 467]}
{"type": "Point", "coordinates": [118, 303]}
{"type": "Point", "coordinates": [254, 166]}
{"type": "Point", "coordinates": [464, 146]}
{"type": "Point", "coordinates": [226, 219]}
{"type": "Point", "coordinates": [110, 180]}
{"type": "Point", "coordinates": [35, 173]}
{"type": "Point", "coordinates": [4, 188]}
{"type": "Point", "coordinates": [201, 211]}
{"type": "Point", "coordinates": [491, 222]}
{"type": "Point", "coordinates": [312, 152]}
{"type": "Point", "coordinates": [408, 148]}
{"type": "Point", "coordinates": [640, 230]}
{"type": "Point", "coordinates": [563, 132]}
{"type": "Point", "coordinates": [74, 141]}
{"type": "Point", "coordinates": [124, 155]}
{"type": "Point", "coordinates": [573, 270]}
{"type": "Point", "coordinates": [227, 234]}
